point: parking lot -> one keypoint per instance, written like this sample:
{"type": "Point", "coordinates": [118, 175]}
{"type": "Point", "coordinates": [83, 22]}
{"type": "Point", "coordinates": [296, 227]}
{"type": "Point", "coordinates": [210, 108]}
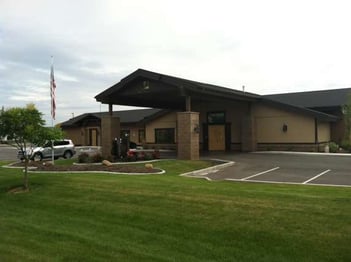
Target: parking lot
{"type": "Point", "coordinates": [8, 152]}
{"type": "Point", "coordinates": [283, 168]}
{"type": "Point", "coordinates": [310, 169]}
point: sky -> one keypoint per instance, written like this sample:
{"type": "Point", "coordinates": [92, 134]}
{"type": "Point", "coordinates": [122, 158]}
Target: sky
{"type": "Point", "coordinates": [271, 46]}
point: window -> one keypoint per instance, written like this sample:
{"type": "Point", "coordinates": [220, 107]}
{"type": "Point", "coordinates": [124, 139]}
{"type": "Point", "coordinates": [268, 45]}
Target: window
{"type": "Point", "coordinates": [61, 143]}
{"type": "Point", "coordinates": [216, 118]}
{"type": "Point", "coordinates": [164, 135]}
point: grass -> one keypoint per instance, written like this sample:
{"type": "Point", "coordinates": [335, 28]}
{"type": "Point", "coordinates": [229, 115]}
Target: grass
{"type": "Point", "coordinates": [99, 217]}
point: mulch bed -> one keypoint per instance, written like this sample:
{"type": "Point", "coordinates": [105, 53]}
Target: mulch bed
{"type": "Point", "coordinates": [46, 166]}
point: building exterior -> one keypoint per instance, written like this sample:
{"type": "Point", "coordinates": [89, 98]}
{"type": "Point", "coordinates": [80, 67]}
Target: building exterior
{"type": "Point", "coordinates": [212, 118]}
{"type": "Point", "coordinates": [326, 101]}
{"type": "Point", "coordinates": [85, 129]}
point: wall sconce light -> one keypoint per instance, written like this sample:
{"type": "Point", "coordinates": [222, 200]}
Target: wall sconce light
{"type": "Point", "coordinates": [197, 129]}
{"type": "Point", "coordinates": [285, 128]}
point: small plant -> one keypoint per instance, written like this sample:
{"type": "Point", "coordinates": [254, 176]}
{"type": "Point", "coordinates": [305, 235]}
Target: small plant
{"type": "Point", "coordinates": [346, 145]}
{"type": "Point", "coordinates": [148, 156]}
{"type": "Point", "coordinates": [131, 156]}
{"type": "Point", "coordinates": [83, 158]}
{"type": "Point", "coordinates": [156, 154]}
{"type": "Point", "coordinates": [96, 158]}
{"type": "Point", "coordinates": [140, 156]}
{"type": "Point", "coordinates": [333, 147]}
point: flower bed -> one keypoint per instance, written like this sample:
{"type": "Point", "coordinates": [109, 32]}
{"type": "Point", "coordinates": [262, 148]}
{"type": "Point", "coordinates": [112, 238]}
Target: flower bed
{"type": "Point", "coordinates": [142, 154]}
{"type": "Point", "coordinates": [47, 166]}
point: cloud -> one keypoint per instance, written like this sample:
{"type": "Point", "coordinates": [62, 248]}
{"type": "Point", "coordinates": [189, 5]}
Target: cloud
{"type": "Point", "coordinates": [268, 46]}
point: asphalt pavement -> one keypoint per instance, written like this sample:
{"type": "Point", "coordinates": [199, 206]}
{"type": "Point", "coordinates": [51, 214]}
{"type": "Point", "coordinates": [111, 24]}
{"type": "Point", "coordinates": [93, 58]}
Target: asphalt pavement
{"type": "Point", "coordinates": [267, 167]}
{"type": "Point", "coordinates": [290, 168]}
{"type": "Point", "coordinates": [8, 153]}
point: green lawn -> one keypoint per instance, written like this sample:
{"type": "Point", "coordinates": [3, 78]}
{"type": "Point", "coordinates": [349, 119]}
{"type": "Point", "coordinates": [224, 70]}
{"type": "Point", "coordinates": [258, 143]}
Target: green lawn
{"type": "Point", "coordinates": [104, 217]}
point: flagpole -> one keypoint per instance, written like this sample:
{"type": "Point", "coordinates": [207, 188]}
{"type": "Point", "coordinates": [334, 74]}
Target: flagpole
{"type": "Point", "coordinates": [52, 106]}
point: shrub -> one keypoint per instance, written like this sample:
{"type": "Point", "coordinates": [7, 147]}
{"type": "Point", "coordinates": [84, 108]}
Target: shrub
{"type": "Point", "coordinates": [83, 158]}
{"type": "Point", "coordinates": [140, 156]}
{"type": "Point", "coordinates": [156, 154]}
{"type": "Point", "coordinates": [346, 145]}
{"type": "Point", "coordinates": [333, 147]}
{"type": "Point", "coordinates": [96, 158]}
{"type": "Point", "coordinates": [131, 156]}
{"type": "Point", "coordinates": [148, 156]}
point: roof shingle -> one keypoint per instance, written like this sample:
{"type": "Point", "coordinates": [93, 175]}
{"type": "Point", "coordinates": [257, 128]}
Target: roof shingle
{"type": "Point", "coordinates": [314, 99]}
{"type": "Point", "coordinates": [126, 116]}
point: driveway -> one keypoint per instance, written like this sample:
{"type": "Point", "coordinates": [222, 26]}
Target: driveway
{"type": "Point", "coordinates": [291, 168]}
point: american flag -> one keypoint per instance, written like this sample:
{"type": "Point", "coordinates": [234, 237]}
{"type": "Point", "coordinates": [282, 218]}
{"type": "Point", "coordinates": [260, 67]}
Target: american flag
{"type": "Point", "coordinates": [52, 92]}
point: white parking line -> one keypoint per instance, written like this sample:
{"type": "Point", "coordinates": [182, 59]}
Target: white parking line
{"type": "Point", "coordinates": [261, 173]}
{"type": "Point", "coordinates": [313, 178]}
{"type": "Point", "coordinates": [285, 183]}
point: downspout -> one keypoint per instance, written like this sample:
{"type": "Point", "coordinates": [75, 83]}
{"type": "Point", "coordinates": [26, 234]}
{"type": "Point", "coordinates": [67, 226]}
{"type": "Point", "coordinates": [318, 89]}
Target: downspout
{"type": "Point", "coordinates": [316, 133]}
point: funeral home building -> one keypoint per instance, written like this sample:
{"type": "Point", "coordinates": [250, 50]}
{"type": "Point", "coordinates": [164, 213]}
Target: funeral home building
{"type": "Point", "coordinates": [191, 117]}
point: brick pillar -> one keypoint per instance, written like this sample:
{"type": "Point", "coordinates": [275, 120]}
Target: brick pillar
{"type": "Point", "coordinates": [188, 135]}
{"type": "Point", "coordinates": [110, 129]}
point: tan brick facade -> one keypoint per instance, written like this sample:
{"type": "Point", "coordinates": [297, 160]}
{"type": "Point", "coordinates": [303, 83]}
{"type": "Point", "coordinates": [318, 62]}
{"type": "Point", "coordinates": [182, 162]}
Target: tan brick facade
{"type": "Point", "coordinates": [188, 135]}
{"type": "Point", "coordinates": [110, 129]}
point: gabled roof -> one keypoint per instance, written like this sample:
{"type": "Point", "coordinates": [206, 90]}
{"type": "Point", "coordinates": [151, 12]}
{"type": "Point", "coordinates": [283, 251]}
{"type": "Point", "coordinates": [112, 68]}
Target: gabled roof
{"type": "Point", "coordinates": [301, 110]}
{"type": "Point", "coordinates": [169, 92]}
{"type": "Point", "coordinates": [126, 116]}
{"type": "Point", "coordinates": [173, 90]}
{"type": "Point", "coordinates": [314, 99]}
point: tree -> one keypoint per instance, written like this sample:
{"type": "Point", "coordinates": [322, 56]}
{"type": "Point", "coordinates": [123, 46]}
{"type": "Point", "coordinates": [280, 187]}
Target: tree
{"type": "Point", "coordinates": [25, 127]}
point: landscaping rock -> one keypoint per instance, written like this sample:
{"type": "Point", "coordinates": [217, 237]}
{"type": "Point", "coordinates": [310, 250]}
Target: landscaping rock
{"type": "Point", "coordinates": [149, 166]}
{"type": "Point", "coordinates": [106, 163]}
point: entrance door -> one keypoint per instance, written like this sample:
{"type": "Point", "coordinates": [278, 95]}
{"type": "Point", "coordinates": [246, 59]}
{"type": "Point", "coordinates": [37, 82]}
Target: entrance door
{"type": "Point", "coordinates": [93, 137]}
{"type": "Point", "coordinates": [216, 137]}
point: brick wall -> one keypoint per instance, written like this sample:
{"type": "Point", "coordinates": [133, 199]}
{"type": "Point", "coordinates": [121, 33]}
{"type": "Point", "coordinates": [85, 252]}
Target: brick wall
{"type": "Point", "coordinates": [187, 135]}
{"type": "Point", "coordinates": [110, 129]}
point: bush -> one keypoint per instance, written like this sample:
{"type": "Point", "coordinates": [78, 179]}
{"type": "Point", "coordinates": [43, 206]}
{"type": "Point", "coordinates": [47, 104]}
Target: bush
{"type": "Point", "coordinates": [86, 158]}
{"type": "Point", "coordinates": [131, 156]}
{"type": "Point", "coordinates": [148, 156]}
{"type": "Point", "coordinates": [96, 158]}
{"type": "Point", "coordinates": [83, 158]}
{"type": "Point", "coordinates": [156, 154]}
{"type": "Point", "coordinates": [346, 145]}
{"type": "Point", "coordinates": [333, 147]}
{"type": "Point", "coordinates": [140, 156]}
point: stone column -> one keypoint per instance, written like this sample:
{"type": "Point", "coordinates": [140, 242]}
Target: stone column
{"type": "Point", "coordinates": [110, 129]}
{"type": "Point", "coordinates": [188, 135]}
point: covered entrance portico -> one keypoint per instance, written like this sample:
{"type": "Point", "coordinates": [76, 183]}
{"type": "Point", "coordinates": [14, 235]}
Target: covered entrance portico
{"type": "Point", "coordinates": [209, 117]}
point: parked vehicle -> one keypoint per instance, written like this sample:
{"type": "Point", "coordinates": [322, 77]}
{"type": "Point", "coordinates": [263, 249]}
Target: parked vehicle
{"type": "Point", "coordinates": [62, 148]}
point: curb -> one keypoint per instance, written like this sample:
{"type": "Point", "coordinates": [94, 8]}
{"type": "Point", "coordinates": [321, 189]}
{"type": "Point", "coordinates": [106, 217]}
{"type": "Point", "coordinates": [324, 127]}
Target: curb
{"type": "Point", "coordinates": [302, 153]}
{"type": "Point", "coordinates": [202, 172]}
{"type": "Point", "coordinates": [32, 170]}
{"type": "Point", "coordinates": [125, 163]}
{"type": "Point", "coordinates": [97, 172]}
